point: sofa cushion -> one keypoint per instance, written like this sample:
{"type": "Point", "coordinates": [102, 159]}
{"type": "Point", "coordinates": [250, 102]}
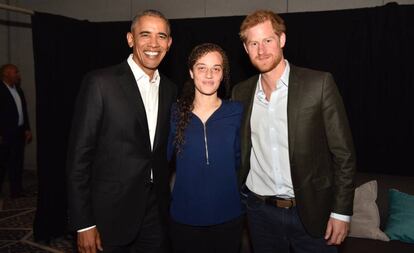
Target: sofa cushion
{"type": "Point", "coordinates": [386, 182]}
{"type": "Point", "coordinates": [400, 225]}
{"type": "Point", "coordinates": [366, 220]}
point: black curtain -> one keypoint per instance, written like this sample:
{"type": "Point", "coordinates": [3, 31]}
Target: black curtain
{"type": "Point", "coordinates": [369, 52]}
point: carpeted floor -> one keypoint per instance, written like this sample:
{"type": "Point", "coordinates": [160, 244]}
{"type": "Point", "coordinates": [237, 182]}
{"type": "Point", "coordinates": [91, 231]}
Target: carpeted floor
{"type": "Point", "coordinates": [16, 223]}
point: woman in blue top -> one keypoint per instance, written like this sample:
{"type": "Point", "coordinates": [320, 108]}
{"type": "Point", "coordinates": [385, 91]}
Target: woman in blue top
{"type": "Point", "coordinates": [204, 137]}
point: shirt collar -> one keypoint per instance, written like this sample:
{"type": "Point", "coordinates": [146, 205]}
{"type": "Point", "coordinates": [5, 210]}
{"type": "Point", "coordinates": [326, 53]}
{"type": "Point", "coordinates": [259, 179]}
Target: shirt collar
{"type": "Point", "coordinates": [11, 87]}
{"type": "Point", "coordinates": [139, 73]}
{"type": "Point", "coordinates": [284, 80]}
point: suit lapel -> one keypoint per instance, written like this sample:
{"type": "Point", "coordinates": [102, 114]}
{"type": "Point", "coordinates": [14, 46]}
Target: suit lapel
{"type": "Point", "coordinates": [163, 109]}
{"type": "Point", "coordinates": [129, 85]}
{"type": "Point", "coordinates": [248, 98]}
{"type": "Point", "coordinates": [294, 100]}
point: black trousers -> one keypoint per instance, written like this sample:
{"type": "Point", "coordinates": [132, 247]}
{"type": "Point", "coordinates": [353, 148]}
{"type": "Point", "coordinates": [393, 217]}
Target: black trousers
{"type": "Point", "coordinates": [221, 238]}
{"type": "Point", "coordinates": [152, 235]}
{"type": "Point", "coordinates": [11, 162]}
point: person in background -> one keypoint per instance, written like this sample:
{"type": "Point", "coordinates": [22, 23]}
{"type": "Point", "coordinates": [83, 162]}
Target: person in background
{"type": "Point", "coordinates": [298, 159]}
{"type": "Point", "coordinates": [117, 169]}
{"type": "Point", "coordinates": [14, 129]}
{"type": "Point", "coordinates": [205, 208]}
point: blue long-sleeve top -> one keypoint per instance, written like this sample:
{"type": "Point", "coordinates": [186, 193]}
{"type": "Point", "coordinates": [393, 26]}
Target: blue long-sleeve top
{"type": "Point", "coordinates": [206, 190]}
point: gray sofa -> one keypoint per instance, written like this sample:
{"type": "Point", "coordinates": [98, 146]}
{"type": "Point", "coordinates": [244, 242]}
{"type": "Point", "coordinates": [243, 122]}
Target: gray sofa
{"type": "Point", "coordinates": [385, 182]}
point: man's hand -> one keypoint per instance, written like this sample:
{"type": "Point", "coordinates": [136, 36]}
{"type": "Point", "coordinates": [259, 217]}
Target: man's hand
{"type": "Point", "coordinates": [336, 231]}
{"type": "Point", "coordinates": [89, 240]}
{"type": "Point", "coordinates": [28, 136]}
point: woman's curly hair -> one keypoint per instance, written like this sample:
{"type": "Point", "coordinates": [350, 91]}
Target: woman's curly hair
{"type": "Point", "coordinates": [185, 104]}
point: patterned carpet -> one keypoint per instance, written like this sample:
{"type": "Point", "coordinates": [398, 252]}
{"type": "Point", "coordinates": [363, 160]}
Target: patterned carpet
{"type": "Point", "coordinates": [16, 223]}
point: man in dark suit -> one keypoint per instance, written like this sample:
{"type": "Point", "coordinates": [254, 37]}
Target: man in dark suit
{"type": "Point", "coordinates": [298, 160]}
{"type": "Point", "coordinates": [117, 164]}
{"type": "Point", "coordinates": [14, 129]}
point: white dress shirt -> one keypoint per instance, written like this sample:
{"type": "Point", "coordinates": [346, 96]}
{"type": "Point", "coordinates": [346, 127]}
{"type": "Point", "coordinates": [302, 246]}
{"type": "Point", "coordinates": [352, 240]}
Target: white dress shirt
{"type": "Point", "coordinates": [270, 173]}
{"type": "Point", "coordinates": [149, 93]}
{"type": "Point", "coordinates": [269, 159]}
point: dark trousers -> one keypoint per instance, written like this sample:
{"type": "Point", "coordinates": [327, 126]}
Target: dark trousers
{"type": "Point", "coordinates": [11, 162]}
{"type": "Point", "coordinates": [152, 235]}
{"type": "Point", "coordinates": [275, 229]}
{"type": "Point", "coordinates": [221, 238]}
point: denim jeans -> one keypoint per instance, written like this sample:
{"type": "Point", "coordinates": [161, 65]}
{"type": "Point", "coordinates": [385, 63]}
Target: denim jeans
{"type": "Point", "coordinates": [278, 230]}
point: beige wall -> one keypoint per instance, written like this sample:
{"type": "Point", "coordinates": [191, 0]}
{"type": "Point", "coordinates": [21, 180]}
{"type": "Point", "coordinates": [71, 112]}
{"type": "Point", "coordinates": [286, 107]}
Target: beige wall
{"type": "Point", "coordinates": [16, 41]}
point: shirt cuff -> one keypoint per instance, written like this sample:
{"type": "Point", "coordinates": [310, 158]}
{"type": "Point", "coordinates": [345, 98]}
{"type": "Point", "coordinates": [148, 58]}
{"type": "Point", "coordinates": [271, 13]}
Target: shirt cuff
{"type": "Point", "coordinates": [84, 229]}
{"type": "Point", "coordinates": [341, 217]}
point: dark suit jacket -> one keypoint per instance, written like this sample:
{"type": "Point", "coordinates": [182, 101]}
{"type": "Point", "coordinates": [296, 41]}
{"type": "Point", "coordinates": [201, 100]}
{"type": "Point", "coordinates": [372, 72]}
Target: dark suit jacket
{"type": "Point", "coordinates": [9, 116]}
{"type": "Point", "coordinates": [110, 157]}
{"type": "Point", "coordinates": [321, 150]}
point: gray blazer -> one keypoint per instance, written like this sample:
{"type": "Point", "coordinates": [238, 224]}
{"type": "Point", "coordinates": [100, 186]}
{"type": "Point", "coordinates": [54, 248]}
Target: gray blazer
{"type": "Point", "coordinates": [321, 151]}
